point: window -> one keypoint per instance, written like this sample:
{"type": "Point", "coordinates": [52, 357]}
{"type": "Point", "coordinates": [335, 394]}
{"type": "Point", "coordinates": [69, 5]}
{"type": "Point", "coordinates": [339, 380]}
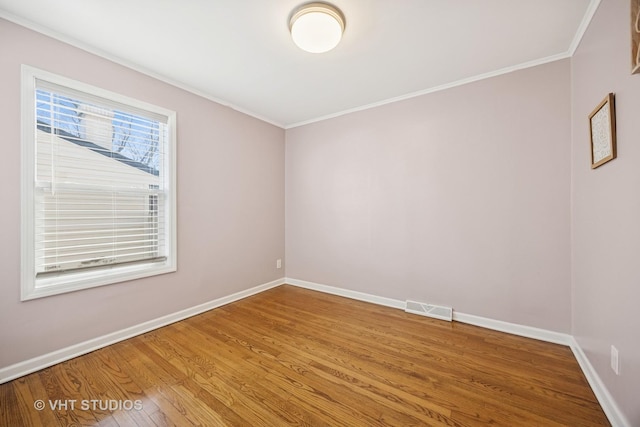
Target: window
{"type": "Point", "coordinates": [98, 186]}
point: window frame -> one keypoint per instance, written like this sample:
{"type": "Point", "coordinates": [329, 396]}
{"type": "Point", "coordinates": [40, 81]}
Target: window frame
{"type": "Point", "coordinates": [32, 287]}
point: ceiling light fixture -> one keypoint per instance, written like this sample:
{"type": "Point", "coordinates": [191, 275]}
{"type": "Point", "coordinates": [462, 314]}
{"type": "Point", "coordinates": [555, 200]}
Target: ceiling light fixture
{"type": "Point", "coordinates": [317, 27]}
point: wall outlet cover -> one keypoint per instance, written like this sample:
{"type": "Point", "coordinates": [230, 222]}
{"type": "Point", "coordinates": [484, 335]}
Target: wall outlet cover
{"type": "Point", "coordinates": [615, 361]}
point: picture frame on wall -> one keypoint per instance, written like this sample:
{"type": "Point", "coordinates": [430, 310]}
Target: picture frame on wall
{"type": "Point", "coordinates": [602, 127]}
{"type": "Point", "coordinates": [635, 36]}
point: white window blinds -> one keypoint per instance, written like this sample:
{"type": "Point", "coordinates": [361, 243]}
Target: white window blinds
{"type": "Point", "coordinates": [100, 182]}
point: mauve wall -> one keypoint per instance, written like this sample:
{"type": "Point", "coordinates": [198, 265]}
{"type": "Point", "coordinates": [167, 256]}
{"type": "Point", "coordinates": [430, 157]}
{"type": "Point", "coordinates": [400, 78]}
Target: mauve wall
{"type": "Point", "coordinates": [606, 208]}
{"type": "Point", "coordinates": [230, 206]}
{"type": "Point", "coordinates": [459, 197]}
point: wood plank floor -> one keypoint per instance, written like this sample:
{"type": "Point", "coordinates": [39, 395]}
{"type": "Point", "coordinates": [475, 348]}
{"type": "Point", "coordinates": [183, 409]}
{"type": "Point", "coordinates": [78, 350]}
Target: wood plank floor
{"type": "Point", "coordinates": [291, 356]}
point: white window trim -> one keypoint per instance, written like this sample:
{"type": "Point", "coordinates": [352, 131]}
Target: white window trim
{"type": "Point", "coordinates": [32, 288]}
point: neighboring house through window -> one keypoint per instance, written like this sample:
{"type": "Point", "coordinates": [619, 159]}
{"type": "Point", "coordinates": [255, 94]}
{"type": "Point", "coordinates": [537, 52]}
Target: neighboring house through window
{"type": "Point", "coordinates": [98, 186]}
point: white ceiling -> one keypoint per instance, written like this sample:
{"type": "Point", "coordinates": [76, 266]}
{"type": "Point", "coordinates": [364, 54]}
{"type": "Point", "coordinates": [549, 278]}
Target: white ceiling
{"type": "Point", "coordinates": [240, 53]}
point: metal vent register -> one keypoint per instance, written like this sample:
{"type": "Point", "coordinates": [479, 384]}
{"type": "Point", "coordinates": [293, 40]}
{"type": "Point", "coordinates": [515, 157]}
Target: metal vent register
{"type": "Point", "coordinates": [429, 310]}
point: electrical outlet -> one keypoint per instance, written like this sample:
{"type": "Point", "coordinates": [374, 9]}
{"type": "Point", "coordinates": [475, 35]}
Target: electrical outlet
{"type": "Point", "coordinates": [615, 361]}
{"type": "Point", "coordinates": [279, 263]}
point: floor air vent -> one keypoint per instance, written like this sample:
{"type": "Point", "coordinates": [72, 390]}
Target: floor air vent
{"type": "Point", "coordinates": [429, 310]}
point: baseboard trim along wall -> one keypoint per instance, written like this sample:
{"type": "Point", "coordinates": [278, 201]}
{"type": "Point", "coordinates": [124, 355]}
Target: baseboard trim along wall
{"type": "Point", "coordinates": [497, 325]}
{"type": "Point", "coordinates": [514, 328]}
{"type": "Point", "coordinates": [605, 399]}
{"type": "Point", "coordinates": [32, 365]}
{"type": "Point", "coordinates": [615, 416]}
{"type": "Point", "coordinates": [360, 296]}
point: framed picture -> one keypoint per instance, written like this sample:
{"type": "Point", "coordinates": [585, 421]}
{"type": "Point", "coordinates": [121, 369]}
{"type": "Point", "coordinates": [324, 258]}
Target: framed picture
{"type": "Point", "coordinates": [602, 124]}
{"type": "Point", "coordinates": [635, 36]}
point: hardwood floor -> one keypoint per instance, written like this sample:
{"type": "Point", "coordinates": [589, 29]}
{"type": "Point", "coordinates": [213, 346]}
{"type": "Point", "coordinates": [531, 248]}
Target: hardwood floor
{"type": "Point", "coordinates": [290, 356]}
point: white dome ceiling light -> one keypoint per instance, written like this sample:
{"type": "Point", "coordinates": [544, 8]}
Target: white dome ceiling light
{"type": "Point", "coordinates": [317, 27]}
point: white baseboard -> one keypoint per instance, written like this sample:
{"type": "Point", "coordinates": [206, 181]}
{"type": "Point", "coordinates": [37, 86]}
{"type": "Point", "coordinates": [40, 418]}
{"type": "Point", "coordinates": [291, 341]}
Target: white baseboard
{"type": "Point", "coordinates": [32, 365]}
{"type": "Point", "coordinates": [615, 416]}
{"type": "Point", "coordinates": [498, 325]}
{"type": "Point", "coordinates": [514, 328]}
{"type": "Point", "coordinates": [613, 413]}
{"type": "Point", "coordinates": [360, 296]}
